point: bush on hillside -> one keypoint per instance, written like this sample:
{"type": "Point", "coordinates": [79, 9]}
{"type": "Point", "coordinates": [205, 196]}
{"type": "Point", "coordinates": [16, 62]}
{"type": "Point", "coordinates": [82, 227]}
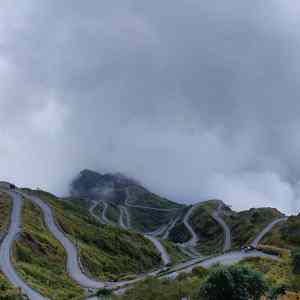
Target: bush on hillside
{"type": "Point", "coordinates": [296, 261]}
{"type": "Point", "coordinates": [272, 250]}
{"type": "Point", "coordinates": [233, 283]}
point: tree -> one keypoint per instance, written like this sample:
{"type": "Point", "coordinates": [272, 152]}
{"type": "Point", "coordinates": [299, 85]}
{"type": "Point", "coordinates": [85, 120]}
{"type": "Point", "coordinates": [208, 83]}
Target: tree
{"type": "Point", "coordinates": [296, 261]}
{"type": "Point", "coordinates": [276, 292]}
{"type": "Point", "coordinates": [104, 293]}
{"type": "Point", "coordinates": [233, 283]}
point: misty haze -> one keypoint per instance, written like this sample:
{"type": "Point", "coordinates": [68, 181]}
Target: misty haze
{"type": "Point", "coordinates": [194, 100]}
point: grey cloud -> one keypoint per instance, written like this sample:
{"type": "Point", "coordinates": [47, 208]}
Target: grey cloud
{"type": "Point", "coordinates": [194, 99]}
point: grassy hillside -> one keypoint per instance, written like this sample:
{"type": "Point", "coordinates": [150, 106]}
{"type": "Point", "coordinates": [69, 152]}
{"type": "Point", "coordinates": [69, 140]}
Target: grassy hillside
{"type": "Point", "coordinates": [7, 292]}
{"type": "Point", "coordinates": [174, 252]}
{"type": "Point", "coordinates": [141, 196]}
{"type": "Point", "coordinates": [276, 273]}
{"type": "Point", "coordinates": [106, 252]}
{"type": "Point", "coordinates": [113, 213]}
{"type": "Point", "coordinates": [148, 220]}
{"type": "Point", "coordinates": [285, 234]}
{"type": "Point", "coordinates": [41, 260]}
{"type": "Point", "coordinates": [179, 233]}
{"type": "Point", "coordinates": [155, 289]}
{"type": "Point", "coordinates": [5, 208]}
{"type": "Point", "coordinates": [210, 233]}
{"type": "Point", "coordinates": [246, 225]}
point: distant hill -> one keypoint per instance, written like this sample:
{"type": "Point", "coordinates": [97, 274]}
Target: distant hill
{"type": "Point", "coordinates": [117, 188]}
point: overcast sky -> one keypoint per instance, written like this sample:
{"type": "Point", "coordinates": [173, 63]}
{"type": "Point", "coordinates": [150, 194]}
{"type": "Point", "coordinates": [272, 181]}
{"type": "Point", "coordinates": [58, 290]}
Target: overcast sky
{"type": "Point", "coordinates": [196, 99]}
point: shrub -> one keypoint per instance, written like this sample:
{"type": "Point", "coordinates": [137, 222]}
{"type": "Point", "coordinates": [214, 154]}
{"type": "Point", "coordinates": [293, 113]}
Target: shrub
{"type": "Point", "coordinates": [233, 283]}
{"type": "Point", "coordinates": [199, 272]}
{"type": "Point", "coordinates": [278, 291]}
{"type": "Point", "coordinates": [103, 293]}
{"type": "Point", "coordinates": [296, 261]}
{"type": "Point", "coordinates": [273, 250]}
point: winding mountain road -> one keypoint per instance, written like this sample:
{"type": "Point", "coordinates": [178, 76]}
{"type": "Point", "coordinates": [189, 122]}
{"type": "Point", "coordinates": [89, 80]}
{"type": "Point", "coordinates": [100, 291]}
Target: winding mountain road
{"type": "Point", "coordinates": [73, 264]}
{"type": "Point", "coordinates": [124, 214]}
{"type": "Point", "coordinates": [170, 227]}
{"type": "Point", "coordinates": [266, 230]}
{"type": "Point", "coordinates": [225, 259]}
{"type": "Point", "coordinates": [227, 231]}
{"type": "Point", "coordinates": [104, 213]}
{"type": "Point", "coordinates": [92, 213]}
{"type": "Point", "coordinates": [6, 246]}
{"type": "Point", "coordinates": [161, 249]}
{"type": "Point", "coordinates": [194, 240]}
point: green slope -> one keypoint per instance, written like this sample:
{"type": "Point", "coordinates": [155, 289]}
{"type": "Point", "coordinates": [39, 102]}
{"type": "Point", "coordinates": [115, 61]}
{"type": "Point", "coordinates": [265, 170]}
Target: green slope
{"type": "Point", "coordinates": [210, 233]}
{"type": "Point", "coordinates": [7, 292]}
{"type": "Point", "coordinates": [149, 220]}
{"type": "Point", "coordinates": [141, 196]}
{"type": "Point", "coordinates": [285, 234]}
{"type": "Point", "coordinates": [5, 209]}
{"type": "Point", "coordinates": [246, 225]}
{"type": "Point", "coordinates": [106, 252]}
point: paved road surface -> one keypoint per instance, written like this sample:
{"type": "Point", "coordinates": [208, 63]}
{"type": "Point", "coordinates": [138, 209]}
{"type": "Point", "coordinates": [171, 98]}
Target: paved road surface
{"type": "Point", "coordinates": [170, 227]}
{"type": "Point", "coordinates": [225, 259]}
{"type": "Point", "coordinates": [159, 231]}
{"type": "Point", "coordinates": [104, 212]}
{"type": "Point", "coordinates": [161, 249]}
{"type": "Point", "coordinates": [73, 265]}
{"type": "Point", "coordinates": [227, 231]}
{"type": "Point", "coordinates": [193, 241]}
{"type": "Point", "coordinates": [124, 214]}
{"type": "Point", "coordinates": [6, 246]}
{"type": "Point", "coordinates": [92, 213]}
{"type": "Point", "coordinates": [267, 230]}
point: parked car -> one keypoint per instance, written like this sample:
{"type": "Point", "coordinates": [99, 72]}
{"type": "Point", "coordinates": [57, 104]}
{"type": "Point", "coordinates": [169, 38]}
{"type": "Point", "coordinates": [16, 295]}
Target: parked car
{"type": "Point", "coordinates": [248, 248]}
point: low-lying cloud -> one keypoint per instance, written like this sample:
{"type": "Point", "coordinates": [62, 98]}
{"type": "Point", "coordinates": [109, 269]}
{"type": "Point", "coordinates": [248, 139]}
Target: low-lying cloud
{"type": "Point", "coordinates": [196, 100]}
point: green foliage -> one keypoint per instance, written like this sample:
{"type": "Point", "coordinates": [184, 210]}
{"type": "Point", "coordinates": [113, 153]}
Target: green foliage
{"type": "Point", "coordinates": [296, 261]}
{"type": "Point", "coordinates": [276, 272]}
{"type": "Point", "coordinates": [149, 220]}
{"type": "Point", "coordinates": [104, 293]}
{"type": "Point", "coordinates": [113, 213]}
{"type": "Point", "coordinates": [211, 233]}
{"type": "Point", "coordinates": [233, 283]}
{"type": "Point", "coordinates": [179, 233]}
{"type": "Point", "coordinates": [174, 252]}
{"type": "Point", "coordinates": [200, 272]}
{"type": "Point", "coordinates": [7, 292]}
{"type": "Point", "coordinates": [277, 292]}
{"type": "Point", "coordinates": [285, 234]}
{"type": "Point", "coordinates": [290, 231]}
{"type": "Point", "coordinates": [141, 196]}
{"type": "Point", "coordinates": [246, 225]}
{"type": "Point", "coordinates": [5, 207]}
{"type": "Point", "coordinates": [154, 289]}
